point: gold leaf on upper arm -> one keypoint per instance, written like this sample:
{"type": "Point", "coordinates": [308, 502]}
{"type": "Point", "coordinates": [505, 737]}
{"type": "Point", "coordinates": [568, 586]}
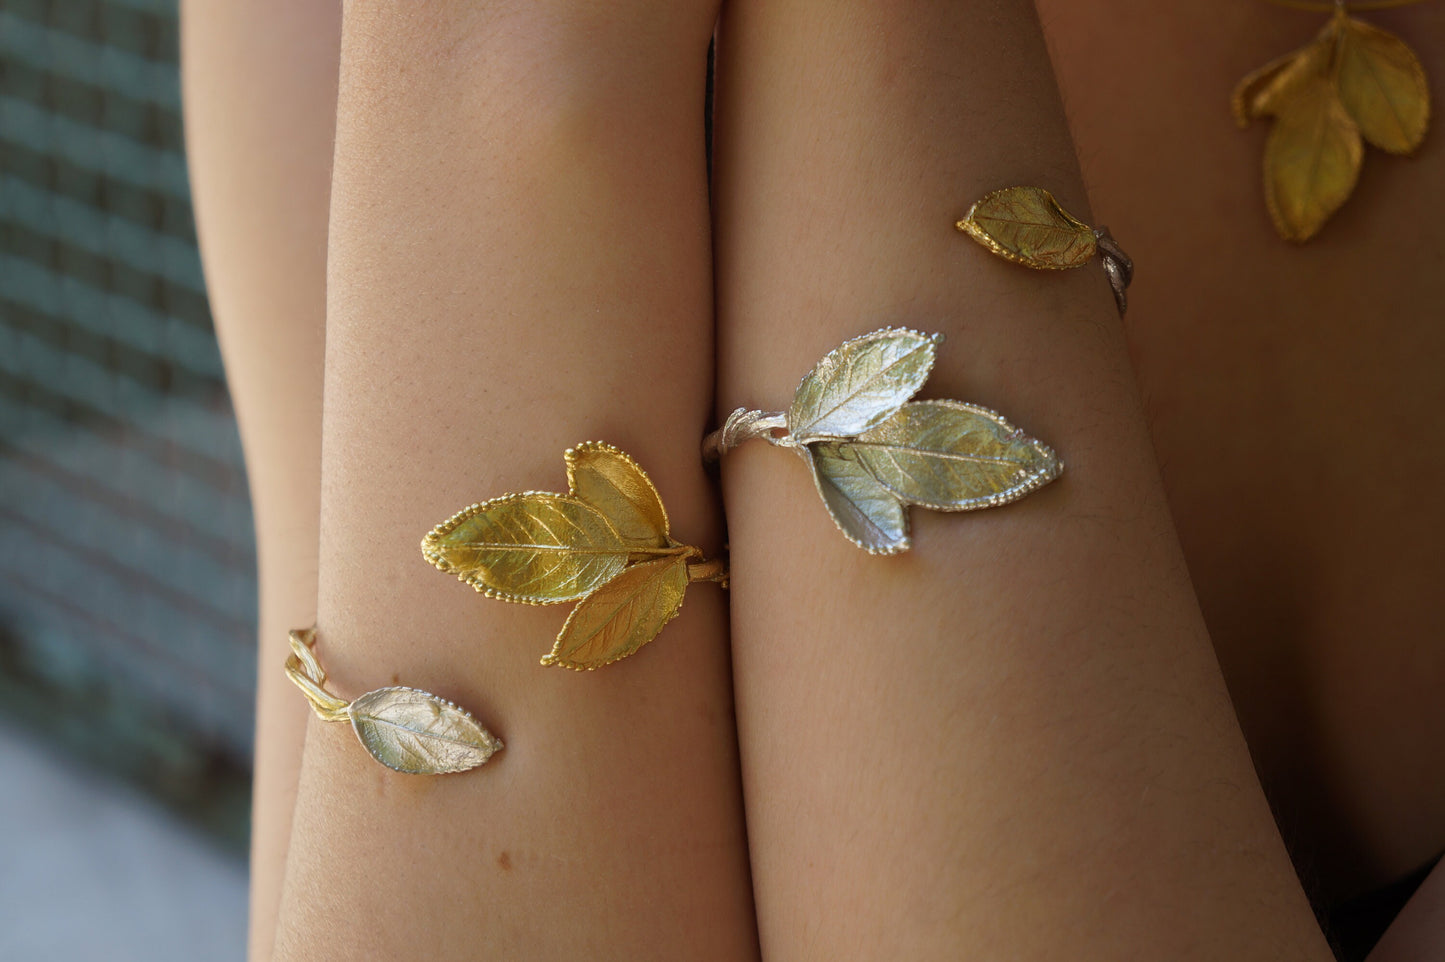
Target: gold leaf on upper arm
{"type": "Point", "coordinates": [1027, 225]}
{"type": "Point", "coordinates": [613, 483]}
{"type": "Point", "coordinates": [622, 615]}
{"type": "Point", "coordinates": [1311, 159]}
{"type": "Point", "coordinates": [534, 547]}
{"type": "Point", "coordinates": [1382, 85]}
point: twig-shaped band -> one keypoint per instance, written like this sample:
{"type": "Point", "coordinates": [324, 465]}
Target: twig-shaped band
{"type": "Point", "coordinates": [873, 452]}
{"type": "Point", "coordinates": [605, 544]}
{"type": "Point", "coordinates": [405, 729]}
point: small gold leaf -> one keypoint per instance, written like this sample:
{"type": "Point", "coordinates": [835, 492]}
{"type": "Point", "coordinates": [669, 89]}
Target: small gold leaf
{"type": "Point", "coordinates": [614, 484]}
{"type": "Point", "coordinates": [1026, 225]}
{"type": "Point", "coordinates": [861, 383]}
{"type": "Point", "coordinates": [534, 547]}
{"type": "Point", "coordinates": [865, 511]}
{"type": "Point", "coordinates": [1382, 85]}
{"type": "Point", "coordinates": [1311, 159]}
{"type": "Point", "coordinates": [622, 615]}
{"type": "Point", "coordinates": [1256, 95]}
{"type": "Point", "coordinates": [418, 733]}
{"type": "Point", "coordinates": [952, 456]}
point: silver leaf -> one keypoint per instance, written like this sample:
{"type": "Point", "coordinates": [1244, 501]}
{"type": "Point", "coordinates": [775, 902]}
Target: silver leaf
{"type": "Point", "coordinates": [418, 733]}
{"type": "Point", "coordinates": [860, 384]}
{"type": "Point", "coordinates": [865, 511]}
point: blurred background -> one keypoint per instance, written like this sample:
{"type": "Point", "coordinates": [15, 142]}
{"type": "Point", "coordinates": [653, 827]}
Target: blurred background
{"type": "Point", "coordinates": [127, 565]}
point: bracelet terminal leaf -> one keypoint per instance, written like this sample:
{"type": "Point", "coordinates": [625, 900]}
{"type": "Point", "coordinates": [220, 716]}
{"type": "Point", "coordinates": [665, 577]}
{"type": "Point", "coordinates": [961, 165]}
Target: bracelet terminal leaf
{"type": "Point", "coordinates": [873, 452]}
{"type": "Point", "coordinates": [1028, 226]}
{"type": "Point", "coordinates": [605, 544]}
{"type": "Point", "coordinates": [405, 729]}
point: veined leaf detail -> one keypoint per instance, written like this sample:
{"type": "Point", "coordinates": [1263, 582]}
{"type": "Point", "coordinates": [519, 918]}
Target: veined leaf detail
{"type": "Point", "coordinates": [860, 384]}
{"type": "Point", "coordinates": [951, 456]}
{"type": "Point", "coordinates": [1027, 225]}
{"type": "Point", "coordinates": [867, 513]}
{"type": "Point", "coordinates": [1382, 86]}
{"type": "Point", "coordinates": [418, 733]}
{"type": "Point", "coordinates": [1311, 159]}
{"type": "Point", "coordinates": [622, 615]}
{"type": "Point", "coordinates": [614, 484]}
{"type": "Point", "coordinates": [534, 547]}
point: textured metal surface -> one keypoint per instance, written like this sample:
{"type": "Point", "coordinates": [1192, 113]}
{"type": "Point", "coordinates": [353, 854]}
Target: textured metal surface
{"type": "Point", "coordinates": [606, 544]}
{"type": "Point", "coordinates": [889, 452]}
{"type": "Point", "coordinates": [1354, 83]}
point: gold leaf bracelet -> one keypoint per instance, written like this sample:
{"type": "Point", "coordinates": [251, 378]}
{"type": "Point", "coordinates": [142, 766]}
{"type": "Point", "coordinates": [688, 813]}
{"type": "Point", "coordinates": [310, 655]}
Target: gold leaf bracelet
{"type": "Point", "coordinates": [405, 729]}
{"type": "Point", "coordinates": [873, 452]}
{"type": "Point", "coordinates": [605, 544]}
{"type": "Point", "coordinates": [1028, 226]}
{"type": "Point", "coordinates": [1353, 83]}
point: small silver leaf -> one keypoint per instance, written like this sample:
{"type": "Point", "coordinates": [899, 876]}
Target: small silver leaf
{"type": "Point", "coordinates": [418, 733]}
{"type": "Point", "coordinates": [865, 511]}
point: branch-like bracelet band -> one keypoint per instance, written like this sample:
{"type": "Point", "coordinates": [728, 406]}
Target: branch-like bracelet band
{"type": "Point", "coordinates": [873, 452]}
{"type": "Point", "coordinates": [1027, 225]}
{"type": "Point", "coordinates": [405, 729]}
{"type": "Point", "coordinates": [606, 544]}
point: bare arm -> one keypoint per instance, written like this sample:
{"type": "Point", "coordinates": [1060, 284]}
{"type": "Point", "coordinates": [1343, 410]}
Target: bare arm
{"type": "Point", "coordinates": [519, 262]}
{"type": "Point", "coordinates": [260, 98]}
{"type": "Point", "coordinates": [1013, 742]}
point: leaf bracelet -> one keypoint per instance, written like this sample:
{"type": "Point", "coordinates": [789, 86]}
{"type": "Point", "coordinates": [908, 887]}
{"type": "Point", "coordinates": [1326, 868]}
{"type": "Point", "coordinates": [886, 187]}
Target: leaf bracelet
{"type": "Point", "coordinates": [873, 452]}
{"type": "Point", "coordinates": [406, 729]}
{"type": "Point", "coordinates": [1028, 226]}
{"type": "Point", "coordinates": [605, 544]}
{"type": "Point", "coordinates": [1353, 83]}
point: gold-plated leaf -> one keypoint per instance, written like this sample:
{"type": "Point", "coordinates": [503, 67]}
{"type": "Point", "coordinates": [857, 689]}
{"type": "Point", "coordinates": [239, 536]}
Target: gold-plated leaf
{"type": "Point", "coordinates": [418, 733]}
{"type": "Point", "coordinates": [865, 511]}
{"type": "Point", "coordinates": [616, 485]}
{"type": "Point", "coordinates": [536, 548]}
{"type": "Point", "coordinates": [1258, 94]}
{"type": "Point", "coordinates": [1311, 159]}
{"type": "Point", "coordinates": [1026, 225]}
{"type": "Point", "coordinates": [1382, 85]}
{"type": "Point", "coordinates": [861, 383]}
{"type": "Point", "coordinates": [952, 456]}
{"type": "Point", "coordinates": [622, 615]}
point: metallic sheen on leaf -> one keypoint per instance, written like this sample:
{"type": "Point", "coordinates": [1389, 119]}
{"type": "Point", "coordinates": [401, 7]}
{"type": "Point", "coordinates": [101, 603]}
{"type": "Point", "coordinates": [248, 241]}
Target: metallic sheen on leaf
{"type": "Point", "coordinates": [614, 484]}
{"type": "Point", "coordinates": [951, 456]}
{"type": "Point", "coordinates": [1353, 80]}
{"type": "Point", "coordinates": [622, 615]}
{"type": "Point", "coordinates": [1026, 225]}
{"type": "Point", "coordinates": [1311, 159]}
{"type": "Point", "coordinates": [1382, 85]}
{"type": "Point", "coordinates": [860, 383]}
{"type": "Point", "coordinates": [533, 547]}
{"type": "Point", "coordinates": [867, 513]}
{"type": "Point", "coordinates": [418, 733]}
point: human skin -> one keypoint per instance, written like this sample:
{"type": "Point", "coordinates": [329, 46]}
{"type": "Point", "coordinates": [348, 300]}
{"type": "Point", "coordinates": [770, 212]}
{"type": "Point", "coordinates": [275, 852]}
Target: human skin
{"type": "Point", "coordinates": [1275, 379]}
{"type": "Point", "coordinates": [260, 108]}
{"type": "Point", "coordinates": [519, 261]}
{"type": "Point", "coordinates": [1014, 741]}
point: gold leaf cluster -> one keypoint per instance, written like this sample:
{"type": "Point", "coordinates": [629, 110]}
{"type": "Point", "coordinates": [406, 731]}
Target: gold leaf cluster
{"type": "Point", "coordinates": [873, 452]}
{"type": "Point", "coordinates": [1353, 83]}
{"type": "Point", "coordinates": [406, 729]}
{"type": "Point", "coordinates": [605, 544]}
